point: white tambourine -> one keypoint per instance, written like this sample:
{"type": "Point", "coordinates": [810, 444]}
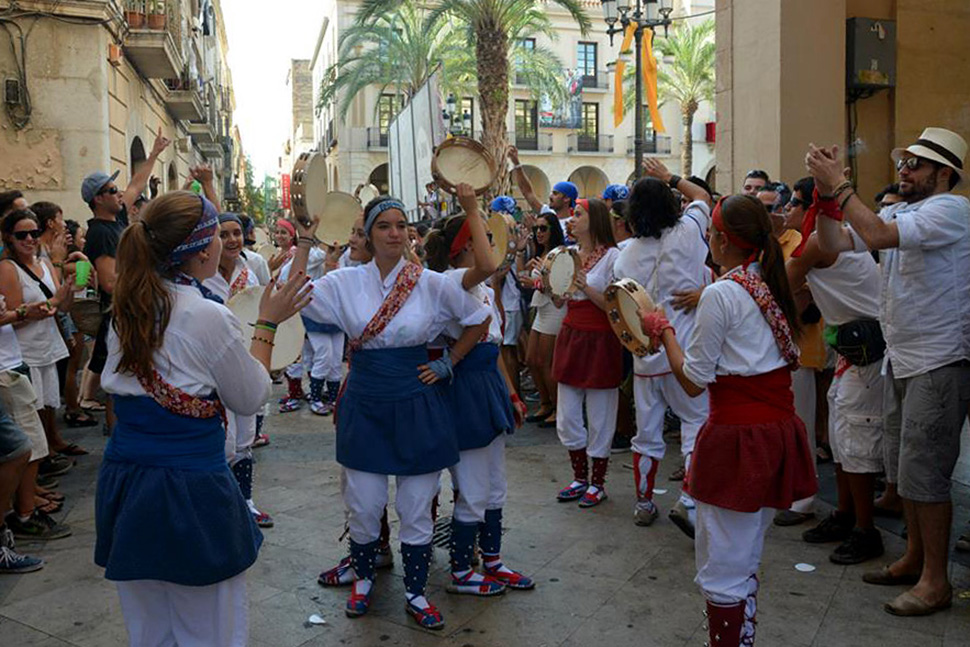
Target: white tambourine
{"type": "Point", "coordinates": [623, 299]}
{"type": "Point", "coordinates": [559, 271]}
{"type": "Point", "coordinates": [288, 343]}
{"type": "Point", "coordinates": [503, 234]}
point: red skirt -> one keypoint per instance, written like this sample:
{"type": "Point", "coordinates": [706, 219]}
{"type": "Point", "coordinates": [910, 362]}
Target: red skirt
{"type": "Point", "coordinates": [752, 451]}
{"type": "Point", "coordinates": [588, 355]}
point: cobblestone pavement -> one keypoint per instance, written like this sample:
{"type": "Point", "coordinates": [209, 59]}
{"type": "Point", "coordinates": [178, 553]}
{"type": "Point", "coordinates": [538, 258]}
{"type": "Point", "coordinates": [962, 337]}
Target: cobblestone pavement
{"type": "Point", "coordinates": [601, 580]}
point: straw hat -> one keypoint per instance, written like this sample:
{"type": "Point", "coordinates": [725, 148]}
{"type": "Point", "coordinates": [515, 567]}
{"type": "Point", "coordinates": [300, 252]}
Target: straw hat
{"type": "Point", "coordinates": [942, 146]}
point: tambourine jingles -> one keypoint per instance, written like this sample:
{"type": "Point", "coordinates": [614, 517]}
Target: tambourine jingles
{"type": "Point", "coordinates": [308, 185]}
{"type": "Point", "coordinates": [288, 342]}
{"type": "Point", "coordinates": [623, 299]}
{"type": "Point", "coordinates": [559, 270]}
{"type": "Point", "coordinates": [462, 159]}
{"type": "Point", "coordinates": [503, 230]}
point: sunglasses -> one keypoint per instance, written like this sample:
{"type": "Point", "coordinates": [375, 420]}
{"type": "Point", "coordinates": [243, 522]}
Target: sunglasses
{"type": "Point", "coordinates": [110, 191]}
{"type": "Point", "coordinates": [542, 228]}
{"type": "Point", "coordinates": [22, 235]}
{"type": "Point", "coordinates": [912, 163]}
{"type": "Point", "coordinates": [794, 203]}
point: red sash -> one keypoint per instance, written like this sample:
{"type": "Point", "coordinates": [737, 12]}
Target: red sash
{"type": "Point", "coordinates": [586, 315]}
{"type": "Point", "coordinates": [758, 399]}
{"type": "Point", "coordinates": [407, 278]}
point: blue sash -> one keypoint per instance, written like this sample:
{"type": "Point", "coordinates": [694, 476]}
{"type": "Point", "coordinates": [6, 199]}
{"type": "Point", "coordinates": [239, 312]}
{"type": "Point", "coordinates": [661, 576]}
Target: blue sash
{"type": "Point", "coordinates": [315, 326]}
{"type": "Point", "coordinates": [389, 422]}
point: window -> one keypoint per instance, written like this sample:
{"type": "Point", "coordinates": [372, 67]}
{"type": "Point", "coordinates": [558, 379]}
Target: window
{"type": "Point", "coordinates": [468, 106]}
{"type": "Point", "coordinates": [589, 127]}
{"type": "Point", "coordinates": [526, 125]}
{"type": "Point", "coordinates": [586, 63]}
{"type": "Point", "coordinates": [387, 107]}
{"type": "Point", "coordinates": [528, 44]}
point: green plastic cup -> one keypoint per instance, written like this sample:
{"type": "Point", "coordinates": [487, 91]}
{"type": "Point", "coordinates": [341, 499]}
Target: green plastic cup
{"type": "Point", "coordinates": [82, 272]}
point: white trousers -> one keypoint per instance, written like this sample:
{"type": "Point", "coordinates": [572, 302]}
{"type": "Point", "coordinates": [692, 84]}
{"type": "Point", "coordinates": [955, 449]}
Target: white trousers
{"type": "Point", "coordinates": [480, 480]}
{"type": "Point", "coordinates": [728, 546]}
{"type": "Point", "coordinates": [322, 358]}
{"type": "Point", "coordinates": [803, 385]}
{"type": "Point", "coordinates": [365, 496]}
{"type": "Point", "coordinates": [652, 396]}
{"type": "Point", "coordinates": [162, 614]}
{"type": "Point", "coordinates": [240, 435]}
{"type": "Point", "coordinates": [601, 407]}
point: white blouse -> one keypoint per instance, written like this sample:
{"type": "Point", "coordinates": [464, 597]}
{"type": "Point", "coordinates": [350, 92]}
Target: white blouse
{"type": "Point", "coordinates": [203, 350]}
{"type": "Point", "coordinates": [257, 265]}
{"type": "Point", "coordinates": [315, 265]}
{"type": "Point", "coordinates": [350, 297]}
{"type": "Point", "coordinates": [221, 288]}
{"type": "Point", "coordinates": [483, 294]}
{"type": "Point", "coordinates": [731, 335]}
{"type": "Point", "coordinates": [600, 275]}
{"type": "Point", "coordinates": [672, 263]}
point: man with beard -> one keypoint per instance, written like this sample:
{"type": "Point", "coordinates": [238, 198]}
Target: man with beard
{"type": "Point", "coordinates": [924, 312]}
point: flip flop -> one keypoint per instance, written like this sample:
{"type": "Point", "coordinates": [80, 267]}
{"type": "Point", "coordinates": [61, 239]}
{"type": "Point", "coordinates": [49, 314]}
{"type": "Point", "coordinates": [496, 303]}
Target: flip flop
{"type": "Point", "coordinates": [74, 420]}
{"type": "Point", "coordinates": [73, 449]}
{"type": "Point", "coordinates": [50, 495]}
{"type": "Point", "coordinates": [86, 405]}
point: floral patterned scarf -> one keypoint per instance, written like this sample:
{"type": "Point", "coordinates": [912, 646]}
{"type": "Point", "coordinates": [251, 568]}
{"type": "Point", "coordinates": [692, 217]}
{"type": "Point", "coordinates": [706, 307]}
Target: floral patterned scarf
{"type": "Point", "coordinates": [758, 289]}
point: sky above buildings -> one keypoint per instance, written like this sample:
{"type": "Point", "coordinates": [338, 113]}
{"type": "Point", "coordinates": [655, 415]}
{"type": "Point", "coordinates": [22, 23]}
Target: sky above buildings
{"type": "Point", "coordinates": [263, 37]}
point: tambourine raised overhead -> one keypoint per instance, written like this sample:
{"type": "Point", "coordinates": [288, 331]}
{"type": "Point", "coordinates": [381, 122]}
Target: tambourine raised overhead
{"type": "Point", "coordinates": [623, 299]}
{"type": "Point", "coordinates": [503, 234]}
{"type": "Point", "coordinates": [559, 270]}
{"type": "Point", "coordinates": [463, 160]}
{"type": "Point", "coordinates": [337, 214]}
{"type": "Point", "coordinates": [308, 185]}
{"type": "Point", "coordinates": [366, 193]}
{"type": "Point", "coordinates": [288, 342]}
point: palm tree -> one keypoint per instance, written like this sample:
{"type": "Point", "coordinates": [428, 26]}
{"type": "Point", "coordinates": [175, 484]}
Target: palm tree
{"type": "Point", "coordinates": [494, 27]}
{"type": "Point", "coordinates": [688, 79]}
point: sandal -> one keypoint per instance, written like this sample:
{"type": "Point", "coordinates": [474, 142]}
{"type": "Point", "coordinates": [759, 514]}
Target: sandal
{"type": "Point", "coordinates": [46, 506]}
{"type": "Point", "coordinates": [50, 495]}
{"type": "Point", "coordinates": [73, 449]}
{"type": "Point", "coordinates": [539, 416]}
{"type": "Point", "coordinates": [92, 405]}
{"type": "Point", "coordinates": [76, 419]}
{"type": "Point", "coordinates": [823, 453]}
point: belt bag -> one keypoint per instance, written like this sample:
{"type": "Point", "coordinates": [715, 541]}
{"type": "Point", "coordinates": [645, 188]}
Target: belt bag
{"type": "Point", "coordinates": [860, 342]}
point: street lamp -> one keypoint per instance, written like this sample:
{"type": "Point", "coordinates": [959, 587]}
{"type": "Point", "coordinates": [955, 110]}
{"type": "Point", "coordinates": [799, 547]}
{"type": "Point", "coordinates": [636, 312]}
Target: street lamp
{"type": "Point", "coordinates": [633, 12]}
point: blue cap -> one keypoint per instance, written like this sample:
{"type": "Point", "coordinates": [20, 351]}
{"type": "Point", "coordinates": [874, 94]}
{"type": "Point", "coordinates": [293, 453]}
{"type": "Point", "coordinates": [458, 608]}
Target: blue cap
{"type": "Point", "coordinates": [568, 189]}
{"type": "Point", "coordinates": [94, 182]}
{"type": "Point", "coordinates": [503, 204]}
{"type": "Point", "coordinates": [616, 192]}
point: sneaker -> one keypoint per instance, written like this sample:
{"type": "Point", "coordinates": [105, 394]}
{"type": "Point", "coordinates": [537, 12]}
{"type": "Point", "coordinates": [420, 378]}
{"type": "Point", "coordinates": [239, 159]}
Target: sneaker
{"type": "Point", "coordinates": [833, 528]}
{"type": "Point", "coordinates": [620, 445]}
{"type": "Point", "coordinates": [12, 562]}
{"type": "Point", "coordinates": [55, 466]}
{"type": "Point", "coordinates": [40, 527]}
{"type": "Point", "coordinates": [48, 482]}
{"type": "Point", "coordinates": [593, 497]}
{"type": "Point", "coordinates": [862, 545]}
{"type": "Point", "coordinates": [262, 519]}
{"type": "Point", "coordinates": [680, 516]}
{"type": "Point", "coordinates": [321, 408]}
{"type": "Point", "coordinates": [791, 518]}
{"type": "Point", "coordinates": [678, 474]}
{"type": "Point", "coordinates": [645, 513]}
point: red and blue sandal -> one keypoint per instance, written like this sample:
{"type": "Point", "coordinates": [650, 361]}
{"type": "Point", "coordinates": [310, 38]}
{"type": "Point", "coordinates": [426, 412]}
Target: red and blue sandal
{"type": "Point", "coordinates": [340, 575]}
{"type": "Point", "coordinates": [573, 491]}
{"type": "Point", "coordinates": [427, 618]}
{"type": "Point", "coordinates": [357, 604]}
{"type": "Point", "coordinates": [471, 583]}
{"type": "Point", "coordinates": [290, 404]}
{"type": "Point", "coordinates": [591, 498]}
{"type": "Point", "coordinates": [511, 579]}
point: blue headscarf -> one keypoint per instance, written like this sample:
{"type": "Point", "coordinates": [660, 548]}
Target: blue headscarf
{"type": "Point", "coordinates": [616, 192]}
{"type": "Point", "coordinates": [198, 239]}
{"type": "Point", "coordinates": [569, 190]}
{"type": "Point", "coordinates": [378, 209]}
{"type": "Point", "coordinates": [503, 204]}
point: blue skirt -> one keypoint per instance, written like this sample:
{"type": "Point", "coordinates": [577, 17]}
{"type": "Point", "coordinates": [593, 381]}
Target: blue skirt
{"type": "Point", "coordinates": [480, 402]}
{"type": "Point", "coordinates": [167, 506]}
{"type": "Point", "coordinates": [388, 421]}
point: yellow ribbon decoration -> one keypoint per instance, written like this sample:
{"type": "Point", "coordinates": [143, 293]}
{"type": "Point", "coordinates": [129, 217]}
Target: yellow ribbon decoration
{"type": "Point", "coordinates": [618, 80]}
{"type": "Point", "coordinates": [649, 65]}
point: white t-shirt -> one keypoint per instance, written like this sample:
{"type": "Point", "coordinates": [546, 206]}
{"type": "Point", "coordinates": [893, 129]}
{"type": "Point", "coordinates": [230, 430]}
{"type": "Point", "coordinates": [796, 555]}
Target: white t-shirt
{"type": "Point", "coordinates": [10, 357]}
{"type": "Point", "coordinates": [848, 289]}
{"type": "Point", "coordinates": [600, 275]}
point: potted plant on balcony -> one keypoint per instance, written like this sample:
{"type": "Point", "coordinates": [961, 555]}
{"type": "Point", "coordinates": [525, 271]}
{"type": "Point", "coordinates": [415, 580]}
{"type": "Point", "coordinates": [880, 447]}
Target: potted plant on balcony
{"type": "Point", "coordinates": [135, 14]}
{"type": "Point", "coordinates": [156, 14]}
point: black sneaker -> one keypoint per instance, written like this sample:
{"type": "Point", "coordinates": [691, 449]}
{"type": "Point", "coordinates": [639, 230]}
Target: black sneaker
{"type": "Point", "coordinates": [40, 527]}
{"type": "Point", "coordinates": [620, 445]}
{"type": "Point", "coordinates": [55, 466]}
{"type": "Point", "coordinates": [862, 545]}
{"type": "Point", "coordinates": [833, 528]}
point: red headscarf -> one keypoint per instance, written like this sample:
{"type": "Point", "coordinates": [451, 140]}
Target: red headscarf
{"type": "Point", "coordinates": [718, 221]}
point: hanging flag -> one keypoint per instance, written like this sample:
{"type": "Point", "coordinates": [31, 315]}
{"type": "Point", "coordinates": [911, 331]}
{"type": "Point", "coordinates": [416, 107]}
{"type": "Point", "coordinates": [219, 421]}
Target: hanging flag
{"type": "Point", "coordinates": [618, 81]}
{"type": "Point", "coordinates": [649, 65]}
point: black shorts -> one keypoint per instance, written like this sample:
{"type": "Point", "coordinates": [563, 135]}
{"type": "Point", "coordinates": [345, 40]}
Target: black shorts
{"type": "Point", "coordinates": [99, 354]}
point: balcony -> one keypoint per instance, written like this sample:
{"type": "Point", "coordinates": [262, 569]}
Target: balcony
{"type": "Point", "coordinates": [202, 132]}
{"type": "Point", "coordinates": [211, 150]}
{"type": "Point", "coordinates": [155, 52]}
{"type": "Point", "coordinates": [376, 139]}
{"type": "Point", "coordinates": [580, 143]}
{"type": "Point", "coordinates": [653, 144]}
{"type": "Point", "coordinates": [531, 142]}
{"type": "Point", "coordinates": [598, 82]}
{"type": "Point", "coordinates": [182, 99]}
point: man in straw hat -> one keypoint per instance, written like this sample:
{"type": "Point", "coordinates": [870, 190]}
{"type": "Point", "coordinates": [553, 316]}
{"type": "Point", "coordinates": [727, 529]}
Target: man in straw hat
{"type": "Point", "coordinates": [925, 317]}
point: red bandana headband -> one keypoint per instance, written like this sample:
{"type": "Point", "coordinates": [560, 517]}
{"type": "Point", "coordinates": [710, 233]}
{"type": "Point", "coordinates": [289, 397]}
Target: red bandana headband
{"type": "Point", "coordinates": [718, 221]}
{"type": "Point", "coordinates": [461, 239]}
{"type": "Point", "coordinates": [584, 203]}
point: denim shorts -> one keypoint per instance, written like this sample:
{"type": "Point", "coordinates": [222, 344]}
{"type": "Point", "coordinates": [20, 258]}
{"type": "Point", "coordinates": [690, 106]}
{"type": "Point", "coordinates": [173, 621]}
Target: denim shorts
{"type": "Point", "coordinates": [13, 442]}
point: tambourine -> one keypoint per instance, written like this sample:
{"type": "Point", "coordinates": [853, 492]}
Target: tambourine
{"type": "Point", "coordinates": [338, 214]}
{"type": "Point", "coordinates": [559, 270]}
{"type": "Point", "coordinates": [504, 233]}
{"type": "Point", "coordinates": [308, 185]}
{"type": "Point", "coordinates": [288, 342]}
{"type": "Point", "coordinates": [461, 159]}
{"type": "Point", "coordinates": [266, 250]}
{"type": "Point", "coordinates": [366, 193]}
{"type": "Point", "coordinates": [623, 299]}
{"type": "Point", "coordinates": [260, 236]}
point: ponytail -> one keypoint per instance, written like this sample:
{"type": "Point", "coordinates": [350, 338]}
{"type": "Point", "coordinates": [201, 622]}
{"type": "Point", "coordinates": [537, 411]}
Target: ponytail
{"type": "Point", "coordinates": [775, 276]}
{"type": "Point", "coordinates": [142, 304]}
{"type": "Point", "coordinates": [437, 246]}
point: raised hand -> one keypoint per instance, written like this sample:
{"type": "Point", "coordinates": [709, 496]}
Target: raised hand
{"type": "Point", "coordinates": [656, 169]}
{"type": "Point", "coordinates": [161, 143]}
{"type": "Point", "coordinates": [513, 154]}
{"type": "Point", "coordinates": [306, 229]}
{"type": "Point", "coordinates": [467, 198]}
{"type": "Point", "coordinates": [280, 302]}
{"type": "Point", "coordinates": [825, 165]}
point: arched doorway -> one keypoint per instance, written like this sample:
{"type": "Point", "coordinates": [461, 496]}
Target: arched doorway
{"type": "Point", "coordinates": [173, 177]}
{"type": "Point", "coordinates": [379, 177]}
{"type": "Point", "coordinates": [590, 181]}
{"type": "Point", "coordinates": [540, 185]}
{"type": "Point", "coordinates": [136, 155]}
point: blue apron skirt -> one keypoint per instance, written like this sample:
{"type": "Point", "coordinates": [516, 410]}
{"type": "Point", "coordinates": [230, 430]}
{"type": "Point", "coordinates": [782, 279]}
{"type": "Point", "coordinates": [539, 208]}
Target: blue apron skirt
{"type": "Point", "coordinates": [479, 397]}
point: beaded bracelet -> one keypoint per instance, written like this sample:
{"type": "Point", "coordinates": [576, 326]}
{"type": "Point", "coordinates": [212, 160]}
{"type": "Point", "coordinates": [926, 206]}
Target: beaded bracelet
{"type": "Point", "coordinates": [21, 313]}
{"type": "Point", "coordinates": [265, 341]}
